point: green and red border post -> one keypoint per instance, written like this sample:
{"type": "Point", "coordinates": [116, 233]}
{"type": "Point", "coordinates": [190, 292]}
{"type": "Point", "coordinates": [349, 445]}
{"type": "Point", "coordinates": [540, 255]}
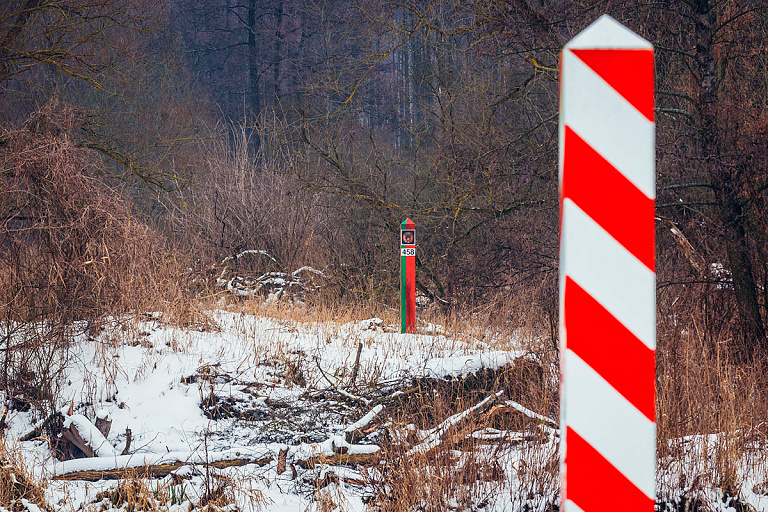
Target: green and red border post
{"type": "Point", "coordinates": [407, 276]}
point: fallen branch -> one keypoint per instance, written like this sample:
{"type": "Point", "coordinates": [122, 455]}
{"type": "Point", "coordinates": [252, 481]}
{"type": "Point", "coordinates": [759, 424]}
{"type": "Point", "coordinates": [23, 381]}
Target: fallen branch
{"type": "Point", "coordinates": [354, 432]}
{"type": "Point", "coordinates": [494, 436]}
{"type": "Point", "coordinates": [334, 451]}
{"type": "Point", "coordinates": [510, 404]}
{"type": "Point", "coordinates": [435, 436]}
{"type": "Point", "coordinates": [335, 476]}
{"type": "Point", "coordinates": [86, 436]}
{"type": "Point", "coordinates": [337, 389]}
{"type": "Point", "coordinates": [153, 471]}
{"type": "Point", "coordinates": [39, 427]}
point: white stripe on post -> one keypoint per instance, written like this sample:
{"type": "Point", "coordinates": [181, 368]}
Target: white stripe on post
{"type": "Point", "coordinates": [592, 397]}
{"type": "Point", "coordinates": [599, 272]}
{"type": "Point", "coordinates": [607, 277]}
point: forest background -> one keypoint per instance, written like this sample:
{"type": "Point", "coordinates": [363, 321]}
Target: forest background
{"type": "Point", "coordinates": [142, 142]}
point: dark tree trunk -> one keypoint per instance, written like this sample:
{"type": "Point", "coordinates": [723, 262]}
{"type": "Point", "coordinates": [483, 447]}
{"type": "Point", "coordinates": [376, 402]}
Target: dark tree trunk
{"type": "Point", "coordinates": [278, 52]}
{"type": "Point", "coordinates": [254, 84]}
{"type": "Point", "coordinates": [253, 59]}
{"type": "Point", "coordinates": [9, 38]}
{"type": "Point", "coordinates": [724, 179]}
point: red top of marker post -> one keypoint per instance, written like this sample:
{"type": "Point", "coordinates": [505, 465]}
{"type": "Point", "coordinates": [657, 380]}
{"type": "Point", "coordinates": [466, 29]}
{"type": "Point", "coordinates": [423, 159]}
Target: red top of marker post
{"type": "Point", "coordinates": [607, 132]}
{"type": "Point", "coordinates": [620, 57]}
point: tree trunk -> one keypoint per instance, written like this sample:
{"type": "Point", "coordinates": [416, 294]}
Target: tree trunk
{"type": "Point", "coordinates": [278, 60]}
{"type": "Point", "coordinates": [724, 179]}
{"type": "Point", "coordinates": [253, 75]}
{"type": "Point", "coordinates": [254, 98]}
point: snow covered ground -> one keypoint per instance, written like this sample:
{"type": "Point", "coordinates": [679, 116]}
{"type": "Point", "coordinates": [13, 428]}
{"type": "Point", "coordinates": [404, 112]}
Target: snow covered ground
{"type": "Point", "coordinates": [281, 394]}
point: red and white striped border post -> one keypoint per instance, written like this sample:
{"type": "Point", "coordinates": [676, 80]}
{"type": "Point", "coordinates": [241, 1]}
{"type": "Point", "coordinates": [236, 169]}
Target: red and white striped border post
{"type": "Point", "coordinates": [607, 277]}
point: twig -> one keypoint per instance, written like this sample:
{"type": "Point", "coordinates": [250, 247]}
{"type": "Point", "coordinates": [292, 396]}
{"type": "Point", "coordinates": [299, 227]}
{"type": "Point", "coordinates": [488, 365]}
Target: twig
{"type": "Point", "coordinates": [353, 432]}
{"type": "Point", "coordinates": [527, 412]}
{"type": "Point", "coordinates": [365, 420]}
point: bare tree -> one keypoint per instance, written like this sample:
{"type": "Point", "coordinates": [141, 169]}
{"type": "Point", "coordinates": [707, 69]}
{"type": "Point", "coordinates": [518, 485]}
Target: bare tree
{"type": "Point", "coordinates": [711, 104]}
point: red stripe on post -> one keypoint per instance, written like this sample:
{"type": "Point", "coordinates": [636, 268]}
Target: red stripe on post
{"type": "Point", "coordinates": [594, 485]}
{"type": "Point", "coordinates": [410, 286]}
{"type": "Point", "coordinates": [609, 348]}
{"type": "Point", "coordinates": [609, 198]}
{"type": "Point", "coordinates": [629, 72]}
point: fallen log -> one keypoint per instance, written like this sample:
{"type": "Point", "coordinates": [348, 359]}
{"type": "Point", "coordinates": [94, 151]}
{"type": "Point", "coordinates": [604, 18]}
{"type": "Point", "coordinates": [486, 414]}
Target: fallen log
{"type": "Point", "coordinates": [356, 431]}
{"type": "Point", "coordinates": [330, 477]}
{"type": "Point", "coordinates": [71, 434]}
{"type": "Point", "coordinates": [340, 459]}
{"type": "Point", "coordinates": [160, 464]}
{"type": "Point", "coordinates": [109, 466]}
{"type": "Point", "coordinates": [333, 452]}
{"type": "Point", "coordinates": [435, 436]}
{"type": "Point", "coordinates": [165, 469]}
{"type": "Point", "coordinates": [154, 470]}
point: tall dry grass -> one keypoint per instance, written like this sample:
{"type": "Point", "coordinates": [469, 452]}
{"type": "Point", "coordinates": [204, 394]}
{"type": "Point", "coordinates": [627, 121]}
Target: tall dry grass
{"type": "Point", "coordinates": [245, 201]}
{"type": "Point", "coordinates": [488, 455]}
{"type": "Point", "coordinates": [711, 405]}
{"type": "Point", "coordinates": [466, 470]}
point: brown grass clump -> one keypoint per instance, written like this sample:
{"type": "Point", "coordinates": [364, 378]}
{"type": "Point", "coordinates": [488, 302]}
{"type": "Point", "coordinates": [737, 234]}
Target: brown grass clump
{"type": "Point", "coordinates": [70, 246]}
{"type": "Point", "coordinates": [132, 495]}
{"type": "Point", "coordinates": [16, 486]}
{"type": "Point", "coordinates": [71, 255]}
{"type": "Point", "coordinates": [137, 494]}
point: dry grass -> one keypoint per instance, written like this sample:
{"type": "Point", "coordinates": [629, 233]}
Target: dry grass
{"type": "Point", "coordinates": [132, 495]}
{"type": "Point", "coordinates": [71, 254]}
{"type": "Point", "coordinates": [16, 484]}
{"type": "Point", "coordinates": [700, 391]}
{"type": "Point", "coordinates": [711, 407]}
{"type": "Point", "coordinates": [72, 258]}
{"type": "Point", "coordinates": [321, 310]}
{"type": "Point", "coordinates": [139, 494]}
{"type": "Point", "coordinates": [466, 470]}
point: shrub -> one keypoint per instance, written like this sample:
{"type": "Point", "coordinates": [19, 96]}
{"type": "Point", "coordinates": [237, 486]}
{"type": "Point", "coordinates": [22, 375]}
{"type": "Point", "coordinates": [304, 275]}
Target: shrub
{"type": "Point", "coordinates": [70, 253]}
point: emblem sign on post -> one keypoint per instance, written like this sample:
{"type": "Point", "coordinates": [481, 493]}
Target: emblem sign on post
{"type": "Point", "coordinates": [607, 272]}
{"type": "Point", "coordinates": [407, 276]}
